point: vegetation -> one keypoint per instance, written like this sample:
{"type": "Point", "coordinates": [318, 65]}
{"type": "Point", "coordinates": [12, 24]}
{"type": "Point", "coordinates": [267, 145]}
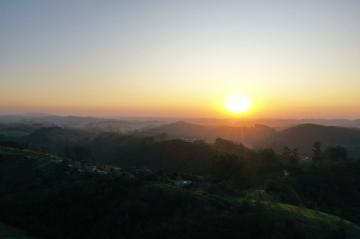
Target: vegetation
{"type": "Point", "coordinates": [108, 185]}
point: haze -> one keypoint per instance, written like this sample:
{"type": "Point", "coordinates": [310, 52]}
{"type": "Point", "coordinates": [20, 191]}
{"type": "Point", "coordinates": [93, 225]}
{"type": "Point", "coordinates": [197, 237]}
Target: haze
{"type": "Point", "coordinates": [293, 59]}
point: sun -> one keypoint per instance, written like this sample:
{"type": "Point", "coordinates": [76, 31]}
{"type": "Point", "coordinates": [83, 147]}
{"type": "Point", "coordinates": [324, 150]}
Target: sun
{"type": "Point", "coordinates": [238, 104]}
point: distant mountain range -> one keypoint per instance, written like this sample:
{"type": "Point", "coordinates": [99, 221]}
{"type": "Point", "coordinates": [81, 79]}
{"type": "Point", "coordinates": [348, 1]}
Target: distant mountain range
{"type": "Point", "coordinates": [277, 123]}
{"type": "Point", "coordinates": [139, 123]}
{"type": "Point", "coordinates": [93, 123]}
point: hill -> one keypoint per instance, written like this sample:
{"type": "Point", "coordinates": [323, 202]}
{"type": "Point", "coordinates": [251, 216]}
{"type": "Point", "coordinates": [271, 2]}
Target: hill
{"type": "Point", "coordinates": [78, 122]}
{"type": "Point", "coordinates": [123, 150]}
{"type": "Point", "coordinates": [251, 136]}
{"type": "Point", "coordinates": [57, 138]}
{"type": "Point", "coordinates": [303, 136]}
{"type": "Point", "coordinates": [52, 197]}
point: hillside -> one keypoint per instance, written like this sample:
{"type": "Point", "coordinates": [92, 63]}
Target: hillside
{"type": "Point", "coordinates": [303, 136]}
{"type": "Point", "coordinates": [252, 136]}
{"type": "Point", "coordinates": [123, 150]}
{"type": "Point", "coordinates": [57, 138]}
{"type": "Point", "coordinates": [92, 123]}
{"type": "Point", "coordinates": [52, 197]}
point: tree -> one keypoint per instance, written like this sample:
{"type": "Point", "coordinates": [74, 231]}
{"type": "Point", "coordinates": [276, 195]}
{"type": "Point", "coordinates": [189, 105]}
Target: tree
{"type": "Point", "coordinates": [229, 168]}
{"type": "Point", "coordinates": [336, 153]}
{"type": "Point", "coordinates": [290, 156]}
{"type": "Point", "coordinates": [268, 161]}
{"type": "Point", "coordinates": [317, 152]}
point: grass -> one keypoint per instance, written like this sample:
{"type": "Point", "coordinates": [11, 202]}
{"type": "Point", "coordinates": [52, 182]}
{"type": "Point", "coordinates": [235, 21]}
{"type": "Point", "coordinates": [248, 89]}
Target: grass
{"type": "Point", "coordinates": [29, 153]}
{"type": "Point", "coordinates": [302, 216]}
{"type": "Point", "coordinates": [314, 217]}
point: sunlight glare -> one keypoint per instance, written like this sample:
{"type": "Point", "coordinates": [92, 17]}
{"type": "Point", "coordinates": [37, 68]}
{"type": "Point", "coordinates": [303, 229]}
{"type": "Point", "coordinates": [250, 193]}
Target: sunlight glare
{"type": "Point", "coordinates": [238, 104]}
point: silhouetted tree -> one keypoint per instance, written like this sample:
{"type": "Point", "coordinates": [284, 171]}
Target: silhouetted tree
{"type": "Point", "coordinates": [290, 157]}
{"type": "Point", "coordinates": [317, 152]}
{"type": "Point", "coordinates": [268, 161]}
{"type": "Point", "coordinates": [228, 168]}
{"type": "Point", "coordinates": [336, 153]}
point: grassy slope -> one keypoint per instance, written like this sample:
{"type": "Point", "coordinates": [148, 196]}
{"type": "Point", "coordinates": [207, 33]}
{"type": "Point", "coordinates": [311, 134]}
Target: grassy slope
{"type": "Point", "coordinates": [308, 218]}
{"type": "Point", "coordinates": [314, 218]}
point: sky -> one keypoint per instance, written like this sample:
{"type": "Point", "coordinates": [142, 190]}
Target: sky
{"type": "Point", "coordinates": [290, 58]}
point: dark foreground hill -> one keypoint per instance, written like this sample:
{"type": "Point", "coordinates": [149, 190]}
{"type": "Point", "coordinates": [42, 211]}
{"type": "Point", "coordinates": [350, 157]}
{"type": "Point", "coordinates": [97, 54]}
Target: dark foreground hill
{"type": "Point", "coordinates": [51, 197]}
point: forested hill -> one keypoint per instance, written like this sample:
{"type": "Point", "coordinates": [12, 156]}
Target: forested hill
{"type": "Point", "coordinates": [53, 197]}
{"type": "Point", "coordinates": [303, 136]}
{"type": "Point", "coordinates": [254, 135]}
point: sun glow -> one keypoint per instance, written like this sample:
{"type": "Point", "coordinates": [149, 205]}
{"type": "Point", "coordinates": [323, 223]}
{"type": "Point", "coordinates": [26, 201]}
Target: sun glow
{"type": "Point", "coordinates": [238, 104]}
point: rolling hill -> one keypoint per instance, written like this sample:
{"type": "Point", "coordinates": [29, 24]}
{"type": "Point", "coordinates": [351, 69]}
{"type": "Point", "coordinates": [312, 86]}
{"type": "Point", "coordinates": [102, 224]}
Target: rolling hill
{"type": "Point", "coordinates": [303, 136]}
{"type": "Point", "coordinates": [250, 136]}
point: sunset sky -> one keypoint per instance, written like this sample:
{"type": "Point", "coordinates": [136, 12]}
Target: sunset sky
{"type": "Point", "coordinates": [291, 59]}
